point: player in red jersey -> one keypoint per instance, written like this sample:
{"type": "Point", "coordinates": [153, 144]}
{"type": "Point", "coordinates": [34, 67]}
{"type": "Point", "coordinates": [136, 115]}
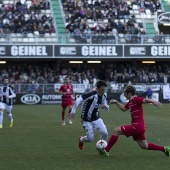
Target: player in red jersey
{"type": "Point", "coordinates": [66, 90]}
{"type": "Point", "coordinates": [137, 127]}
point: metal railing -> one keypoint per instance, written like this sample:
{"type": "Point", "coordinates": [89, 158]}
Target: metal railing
{"type": "Point", "coordinates": [49, 88]}
{"type": "Point", "coordinates": [86, 39]}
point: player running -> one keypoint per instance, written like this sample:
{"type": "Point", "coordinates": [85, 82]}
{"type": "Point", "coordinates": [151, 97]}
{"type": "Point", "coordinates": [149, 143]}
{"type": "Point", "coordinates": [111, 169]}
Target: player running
{"type": "Point", "coordinates": [137, 127]}
{"type": "Point", "coordinates": [66, 90]}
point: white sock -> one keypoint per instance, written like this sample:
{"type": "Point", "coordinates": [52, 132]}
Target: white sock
{"type": "Point", "coordinates": [10, 116]}
{"type": "Point", "coordinates": [85, 139]}
{"type": "Point", "coordinates": [1, 117]}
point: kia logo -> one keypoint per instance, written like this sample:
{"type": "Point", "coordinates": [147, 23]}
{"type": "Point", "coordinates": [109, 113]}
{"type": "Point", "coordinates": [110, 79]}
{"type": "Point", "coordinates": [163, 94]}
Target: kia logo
{"type": "Point", "coordinates": [30, 99]}
{"type": "Point", "coordinates": [164, 18]}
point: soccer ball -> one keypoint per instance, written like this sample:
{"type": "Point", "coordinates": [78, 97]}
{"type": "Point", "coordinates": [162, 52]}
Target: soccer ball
{"type": "Point", "coordinates": [101, 144]}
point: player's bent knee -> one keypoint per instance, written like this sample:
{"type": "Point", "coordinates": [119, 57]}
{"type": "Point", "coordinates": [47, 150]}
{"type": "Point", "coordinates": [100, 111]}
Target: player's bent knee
{"type": "Point", "coordinates": [90, 137]}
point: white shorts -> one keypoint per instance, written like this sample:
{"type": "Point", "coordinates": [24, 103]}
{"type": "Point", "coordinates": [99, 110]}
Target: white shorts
{"type": "Point", "coordinates": [5, 107]}
{"type": "Point", "coordinates": [95, 125]}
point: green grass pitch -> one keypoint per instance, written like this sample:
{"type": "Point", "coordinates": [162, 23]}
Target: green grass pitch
{"type": "Point", "coordinates": [39, 142]}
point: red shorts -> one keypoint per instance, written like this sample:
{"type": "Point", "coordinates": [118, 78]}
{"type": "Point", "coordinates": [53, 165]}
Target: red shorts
{"type": "Point", "coordinates": [65, 104]}
{"type": "Point", "coordinates": [130, 130]}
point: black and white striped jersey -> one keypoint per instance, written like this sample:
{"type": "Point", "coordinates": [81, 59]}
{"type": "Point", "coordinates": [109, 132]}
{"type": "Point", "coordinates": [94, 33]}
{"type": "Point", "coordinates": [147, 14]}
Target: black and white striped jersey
{"type": "Point", "coordinates": [90, 105]}
{"type": "Point", "coordinates": [7, 90]}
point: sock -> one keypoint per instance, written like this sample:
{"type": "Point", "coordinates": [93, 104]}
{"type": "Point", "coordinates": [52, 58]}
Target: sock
{"type": "Point", "coordinates": [10, 116]}
{"type": "Point", "coordinates": [152, 146]}
{"type": "Point", "coordinates": [84, 139]}
{"type": "Point", "coordinates": [113, 139]}
{"type": "Point", "coordinates": [63, 114]}
{"type": "Point", "coordinates": [1, 117]}
{"type": "Point", "coordinates": [69, 113]}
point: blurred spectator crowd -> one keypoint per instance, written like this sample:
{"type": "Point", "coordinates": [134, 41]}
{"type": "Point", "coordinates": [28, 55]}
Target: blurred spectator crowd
{"type": "Point", "coordinates": [109, 18]}
{"type": "Point", "coordinates": [119, 72]}
{"type": "Point", "coordinates": [25, 17]}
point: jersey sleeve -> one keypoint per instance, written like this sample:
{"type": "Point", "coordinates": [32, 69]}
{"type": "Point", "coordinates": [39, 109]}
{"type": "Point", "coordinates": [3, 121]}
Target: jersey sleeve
{"type": "Point", "coordinates": [138, 100]}
{"type": "Point", "coordinates": [61, 88]}
{"type": "Point", "coordinates": [127, 105]}
{"type": "Point", "coordinates": [13, 94]}
{"type": "Point", "coordinates": [89, 95]}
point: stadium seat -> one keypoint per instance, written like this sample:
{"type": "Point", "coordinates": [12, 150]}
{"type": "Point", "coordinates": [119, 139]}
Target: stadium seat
{"type": "Point", "coordinates": [48, 11]}
{"type": "Point", "coordinates": [136, 12]}
{"type": "Point", "coordinates": [47, 35]}
{"type": "Point", "coordinates": [150, 40]}
{"type": "Point", "coordinates": [6, 2]}
{"type": "Point", "coordinates": [36, 33]}
{"type": "Point", "coordinates": [54, 40]}
{"type": "Point", "coordinates": [53, 35]}
{"type": "Point", "coordinates": [48, 39]}
{"type": "Point", "coordinates": [18, 35]}
{"type": "Point", "coordinates": [2, 39]}
{"type": "Point", "coordinates": [135, 7]}
{"type": "Point", "coordinates": [31, 40]}
{"type": "Point", "coordinates": [167, 40]}
{"type": "Point", "coordinates": [14, 39]}
{"type": "Point", "coordinates": [72, 40]}
{"type": "Point", "coordinates": [148, 16]}
{"type": "Point", "coordinates": [13, 35]}
{"type": "Point", "coordinates": [41, 40]}
{"type": "Point", "coordinates": [30, 35]}
{"type": "Point", "coordinates": [19, 39]}
{"type": "Point", "coordinates": [143, 15]}
{"type": "Point", "coordinates": [25, 40]}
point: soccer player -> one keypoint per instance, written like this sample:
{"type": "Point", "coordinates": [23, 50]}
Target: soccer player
{"type": "Point", "coordinates": [90, 116]}
{"type": "Point", "coordinates": [6, 96]}
{"type": "Point", "coordinates": [66, 90]}
{"type": "Point", "coordinates": [137, 127]}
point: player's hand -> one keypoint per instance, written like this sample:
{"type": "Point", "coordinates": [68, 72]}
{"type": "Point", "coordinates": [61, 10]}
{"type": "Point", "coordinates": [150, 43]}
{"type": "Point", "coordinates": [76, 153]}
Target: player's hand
{"type": "Point", "coordinates": [7, 97]}
{"type": "Point", "coordinates": [103, 106]}
{"type": "Point", "coordinates": [112, 101]}
{"type": "Point", "coordinates": [158, 104]}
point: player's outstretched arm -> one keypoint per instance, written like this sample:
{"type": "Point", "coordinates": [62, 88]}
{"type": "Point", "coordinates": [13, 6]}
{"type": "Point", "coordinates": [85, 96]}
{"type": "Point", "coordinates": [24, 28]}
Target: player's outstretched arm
{"type": "Point", "coordinates": [105, 106]}
{"type": "Point", "coordinates": [76, 104]}
{"type": "Point", "coordinates": [156, 103]}
{"type": "Point", "coordinates": [120, 106]}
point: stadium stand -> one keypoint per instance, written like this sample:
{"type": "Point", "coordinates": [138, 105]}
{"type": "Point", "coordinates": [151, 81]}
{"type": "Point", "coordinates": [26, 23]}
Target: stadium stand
{"type": "Point", "coordinates": [122, 16]}
{"type": "Point", "coordinates": [27, 21]}
{"type": "Point", "coordinates": [117, 72]}
{"type": "Point", "coordinates": [86, 21]}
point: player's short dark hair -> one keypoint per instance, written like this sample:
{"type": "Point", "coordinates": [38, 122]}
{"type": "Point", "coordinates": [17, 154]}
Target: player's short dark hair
{"type": "Point", "coordinates": [101, 83]}
{"type": "Point", "coordinates": [67, 77]}
{"type": "Point", "coordinates": [5, 77]}
{"type": "Point", "coordinates": [130, 89]}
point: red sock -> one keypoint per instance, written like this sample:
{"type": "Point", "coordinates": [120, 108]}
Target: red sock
{"type": "Point", "coordinates": [112, 141]}
{"type": "Point", "coordinates": [152, 146]}
{"type": "Point", "coordinates": [63, 114]}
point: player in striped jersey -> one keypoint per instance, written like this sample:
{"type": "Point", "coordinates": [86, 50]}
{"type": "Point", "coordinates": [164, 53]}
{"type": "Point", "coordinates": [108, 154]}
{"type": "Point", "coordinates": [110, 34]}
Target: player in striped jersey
{"type": "Point", "coordinates": [90, 116]}
{"type": "Point", "coordinates": [6, 96]}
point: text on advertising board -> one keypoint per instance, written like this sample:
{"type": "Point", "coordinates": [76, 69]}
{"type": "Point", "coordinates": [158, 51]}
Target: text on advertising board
{"type": "Point", "coordinates": [99, 51]}
{"type": "Point", "coordinates": [68, 51]}
{"type": "Point", "coordinates": [160, 50]}
{"type": "Point", "coordinates": [28, 51]}
{"type": "Point", "coordinates": [137, 50]}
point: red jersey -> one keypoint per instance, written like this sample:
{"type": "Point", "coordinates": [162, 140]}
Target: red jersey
{"type": "Point", "coordinates": [136, 111]}
{"type": "Point", "coordinates": [68, 89]}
